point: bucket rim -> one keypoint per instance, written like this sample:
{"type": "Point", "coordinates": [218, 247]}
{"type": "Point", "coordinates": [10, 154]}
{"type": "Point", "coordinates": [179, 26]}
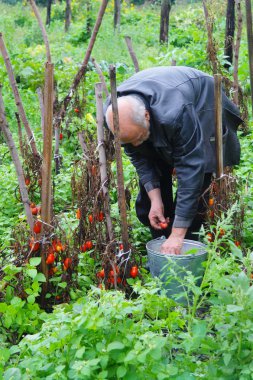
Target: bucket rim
{"type": "Point", "coordinates": [178, 257]}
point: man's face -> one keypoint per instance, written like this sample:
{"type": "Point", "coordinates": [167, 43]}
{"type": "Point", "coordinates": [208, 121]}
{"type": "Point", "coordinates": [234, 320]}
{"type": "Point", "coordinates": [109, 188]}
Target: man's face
{"type": "Point", "coordinates": [131, 133]}
{"type": "Point", "coordinates": [136, 135]}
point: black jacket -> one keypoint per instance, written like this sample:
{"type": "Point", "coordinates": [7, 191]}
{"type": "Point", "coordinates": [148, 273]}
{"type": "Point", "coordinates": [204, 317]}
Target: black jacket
{"type": "Point", "coordinates": [180, 101]}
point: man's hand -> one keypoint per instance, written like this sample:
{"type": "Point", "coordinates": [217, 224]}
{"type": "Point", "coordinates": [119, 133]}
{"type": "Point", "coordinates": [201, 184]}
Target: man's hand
{"type": "Point", "coordinates": [174, 243]}
{"type": "Point", "coordinates": [156, 213]}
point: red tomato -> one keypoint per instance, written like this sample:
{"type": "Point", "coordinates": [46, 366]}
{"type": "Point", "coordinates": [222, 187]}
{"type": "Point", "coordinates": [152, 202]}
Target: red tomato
{"type": "Point", "coordinates": [76, 110]}
{"type": "Point", "coordinates": [237, 243]}
{"type": "Point", "coordinates": [90, 217]}
{"type": "Point", "coordinates": [27, 181]}
{"type": "Point", "coordinates": [37, 227]}
{"type": "Point", "coordinates": [119, 280]}
{"type": "Point", "coordinates": [34, 210]}
{"type": "Point", "coordinates": [32, 205]}
{"type": "Point", "coordinates": [134, 271]}
{"type": "Point", "coordinates": [100, 216]}
{"type": "Point", "coordinates": [61, 136]}
{"type": "Point", "coordinates": [163, 225]}
{"type": "Point", "coordinates": [83, 248]}
{"type": "Point", "coordinates": [50, 259]}
{"type": "Point", "coordinates": [210, 236]}
{"type": "Point", "coordinates": [34, 246]}
{"type": "Point", "coordinates": [89, 244]}
{"type": "Point", "coordinates": [101, 274]}
{"type": "Point", "coordinates": [211, 214]}
{"type": "Point", "coordinates": [121, 247]}
{"type": "Point", "coordinates": [67, 263]}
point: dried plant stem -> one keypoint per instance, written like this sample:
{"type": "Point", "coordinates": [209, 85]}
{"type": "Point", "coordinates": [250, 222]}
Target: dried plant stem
{"type": "Point", "coordinates": [18, 101]}
{"type": "Point", "coordinates": [18, 166]}
{"type": "Point", "coordinates": [218, 125]}
{"type": "Point", "coordinates": [120, 177]}
{"type": "Point", "coordinates": [102, 157]}
{"type": "Point", "coordinates": [211, 48]}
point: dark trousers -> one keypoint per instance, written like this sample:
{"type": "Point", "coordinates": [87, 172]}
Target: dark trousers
{"type": "Point", "coordinates": [143, 205]}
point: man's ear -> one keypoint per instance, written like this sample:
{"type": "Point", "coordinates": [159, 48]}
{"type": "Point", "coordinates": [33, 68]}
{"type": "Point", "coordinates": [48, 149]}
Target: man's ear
{"type": "Point", "coordinates": [147, 115]}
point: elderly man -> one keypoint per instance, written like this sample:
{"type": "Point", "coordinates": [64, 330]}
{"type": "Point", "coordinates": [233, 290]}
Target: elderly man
{"type": "Point", "coordinates": [166, 119]}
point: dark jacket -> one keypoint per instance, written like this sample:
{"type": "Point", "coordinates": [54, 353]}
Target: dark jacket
{"type": "Point", "coordinates": [180, 101]}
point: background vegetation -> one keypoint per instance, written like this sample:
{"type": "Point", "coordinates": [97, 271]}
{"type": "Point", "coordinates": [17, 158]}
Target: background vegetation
{"type": "Point", "coordinates": [107, 334]}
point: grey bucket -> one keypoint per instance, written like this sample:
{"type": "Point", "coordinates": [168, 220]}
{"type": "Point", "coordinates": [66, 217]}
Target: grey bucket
{"type": "Point", "coordinates": [163, 265]}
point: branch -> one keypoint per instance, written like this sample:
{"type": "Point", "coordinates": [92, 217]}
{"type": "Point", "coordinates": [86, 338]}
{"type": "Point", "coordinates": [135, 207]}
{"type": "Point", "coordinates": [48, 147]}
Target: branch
{"type": "Point", "coordinates": [211, 48]}
{"type": "Point", "coordinates": [42, 28]}
{"type": "Point", "coordinates": [132, 53]}
{"type": "Point", "coordinates": [14, 154]}
{"type": "Point", "coordinates": [18, 100]}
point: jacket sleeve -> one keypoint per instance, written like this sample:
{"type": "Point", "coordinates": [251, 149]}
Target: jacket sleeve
{"type": "Point", "coordinates": [189, 163]}
{"type": "Point", "coordinates": [145, 167]}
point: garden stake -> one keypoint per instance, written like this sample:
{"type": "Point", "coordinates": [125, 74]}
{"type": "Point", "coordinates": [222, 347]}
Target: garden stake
{"type": "Point", "coordinates": [236, 52]}
{"type": "Point", "coordinates": [101, 76]}
{"type": "Point", "coordinates": [17, 163]}
{"type": "Point", "coordinates": [218, 125]}
{"type": "Point", "coordinates": [46, 189]}
{"type": "Point", "coordinates": [120, 177]}
{"type": "Point", "coordinates": [102, 157]}
{"type": "Point", "coordinates": [132, 53]}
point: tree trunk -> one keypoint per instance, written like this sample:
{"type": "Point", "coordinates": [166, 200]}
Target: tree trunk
{"type": "Point", "coordinates": [230, 32]}
{"type": "Point", "coordinates": [67, 15]}
{"type": "Point", "coordinates": [164, 21]}
{"type": "Point", "coordinates": [116, 19]}
{"type": "Point", "coordinates": [48, 19]}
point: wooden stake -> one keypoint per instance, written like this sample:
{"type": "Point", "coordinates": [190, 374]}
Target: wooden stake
{"type": "Point", "coordinates": [120, 177]}
{"type": "Point", "coordinates": [250, 44]}
{"type": "Point", "coordinates": [17, 98]}
{"type": "Point", "coordinates": [236, 51]}
{"type": "Point", "coordinates": [101, 76]}
{"type": "Point", "coordinates": [132, 53]}
{"type": "Point", "coordinates": [42, 111]}
{"type": "Point", "coordinates": [17, 163]}
{"type": "Point", "coordinates": [102, 157]}
{"type": "Point", "coordinates": [46, 190]}
{"type": "Point", "coordinates": [218, 124]}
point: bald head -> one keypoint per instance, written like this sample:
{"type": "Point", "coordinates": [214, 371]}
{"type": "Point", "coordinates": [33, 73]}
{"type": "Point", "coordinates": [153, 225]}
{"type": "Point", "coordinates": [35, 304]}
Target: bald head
{"type": "Point", "coordinates": [133, 120]}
